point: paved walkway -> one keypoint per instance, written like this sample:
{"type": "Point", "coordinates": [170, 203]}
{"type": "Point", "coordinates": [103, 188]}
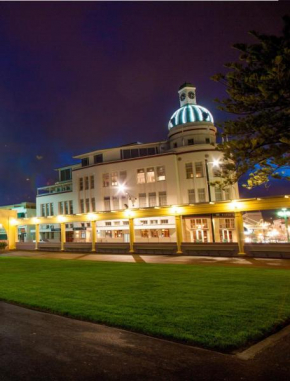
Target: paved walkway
{"type": "Point", "coordinates": [172, 259]}
{"type": "Point", "coordinates": [40, 346]}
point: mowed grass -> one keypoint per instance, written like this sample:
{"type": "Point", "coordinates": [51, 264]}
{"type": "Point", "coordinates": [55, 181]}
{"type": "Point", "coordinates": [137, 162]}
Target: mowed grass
{"type": "Point", "coordinates": [214, 307]}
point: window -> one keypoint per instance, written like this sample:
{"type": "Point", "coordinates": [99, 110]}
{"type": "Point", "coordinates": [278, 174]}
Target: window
{"type": "Point", "coordinates": [81, 183]}
{"type": "Point", "coordinates": [51, 209]}
{"type": "Point", "coordinates": [198, 223]}
{"type": "Point", "coordinates": [92, 182]}
{"type": "Point", "coordinates": [93, 202]}
{"type": "Point", "coordinates": [117, 223]}
{"type": "Point", "coordinates": [107, 203]}
{"type": "Point", "coordinates": [106, 180]}
{"type": "Point", "coordinates": [218, 194]}
{"type": "Point", "coordinates": [108, 223]}
{"type": "Point", "coordinates": [144, 233]}
{"type": "Point", "coordinates": [114, 179]}
{"type": "Point", "coordinates": [71, 209]}
{"type": "Point", "coordinates": [42, 210]}
{"type": "Point", "coordinates": [151, 151]}
{"type": "Point", "coordinates": [175, 145]}
{"type": "Point", "coordinates": [153, 222]}
{"type": "Point", "coordinates": [154, 233]}
{"type": "Point", "coordinates": [66, 207]}
{"type": "Point", "coordinates": [85, 162]}
{"type": "Point", "coordinates": [60, 207]}
{"type": "Point", "coordinates": [143, 151]}
{"type": "Point", "coordinates": [98, 158]}
{"type": "Point", "coordinates": [201, 194]}
{"type": "Point", "coordinates": [86, 183]}
{"type": "Point", "coordinates": [165, 233]}
{"type": "Point", "coordinates": [162, 198]}
{"type": "Point", "coordinates": [164, 221]}
{"type": "Point", "coordinates": [150, 175]}
{"type": "Point", "coordinates": [152, 199]}
{"type": "Point", "coordinates": [88, 224]}
{"type": "Point", "coordinates": [227, 194]}
{"type": "Point", "coordinates": [47, 209]}
{"type": "Point", "coordinates": [142, 200]}
{"type": "Point", "coordinates": [143, 222]}
{"type": "Point", "coordinates": [161, 173]}
{"type": "Point", "coordinates": [82, 206]}
{"type": "Point", "coordinates": [191, 196]}
{"type": "Point", "coordinates": [227, 223]}
{"type": "Point", "coordinates": [115, 202]}
{"type": "Point", "coordinates": [189, 170]}
{"type": "Point", "coordinates": [198, 169]}
{"type": "Point", "coordinates": [65, 174]}
{"type": "Point", "coordinates": [207, 140]}
{"type": "Point", "coordinates": [140, 176]}
{"type": "Point", "coordinates": [190, 142]}
{"type": "Point", "coordinates": [125, 222]}
{"type": "Point", "coordinates": [87, 205]}
{"type": "Point", "coordinates": [122, 177]}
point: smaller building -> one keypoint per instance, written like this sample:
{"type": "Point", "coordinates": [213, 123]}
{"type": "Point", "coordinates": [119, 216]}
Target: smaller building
{"type": "Point", "coordinates": [24, 210]}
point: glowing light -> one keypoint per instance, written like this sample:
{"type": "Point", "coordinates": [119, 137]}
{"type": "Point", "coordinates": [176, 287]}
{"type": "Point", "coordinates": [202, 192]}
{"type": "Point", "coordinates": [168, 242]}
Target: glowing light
{"type": "Point", "coordinates": [175, 209]}
{"type": "Point", "coordinates": [284, 213]}
{"type": "Point", "coordinates": [61, 218]}
{"type": "Point", "coordinates": [121, 188]}
{"type": "Point", "coordinates": [216, 163]}
{"type": "Point", "coordinates": [286, 196]}
{"type": "Point", "coordinates": [92, 217]}
{"type": "Point", "coordinates": [35, 220]}
{"type": "Point", "coordinates": [234, 204]}
{"type": "Point", "coordinates": [129, 213]}
{"type": "Point", "coordinates": [13, 222]}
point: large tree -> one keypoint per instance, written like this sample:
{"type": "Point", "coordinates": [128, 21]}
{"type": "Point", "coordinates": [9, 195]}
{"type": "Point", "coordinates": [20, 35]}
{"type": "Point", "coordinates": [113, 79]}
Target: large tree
{"type": "Point", "coordinates": [257, 140]}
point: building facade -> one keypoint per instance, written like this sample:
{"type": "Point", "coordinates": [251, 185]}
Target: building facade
{"type": "Point", "coordinates": [176, 171]}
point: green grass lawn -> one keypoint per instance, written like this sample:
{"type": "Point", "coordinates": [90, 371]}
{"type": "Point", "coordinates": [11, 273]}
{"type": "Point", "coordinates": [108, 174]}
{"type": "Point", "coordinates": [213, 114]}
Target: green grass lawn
{"type": "Point", "coordinates": [215, 307]}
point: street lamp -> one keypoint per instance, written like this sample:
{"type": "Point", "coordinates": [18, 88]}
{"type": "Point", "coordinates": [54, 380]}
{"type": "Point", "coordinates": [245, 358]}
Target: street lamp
{"type": "Point", "coordinates": [285, 214]}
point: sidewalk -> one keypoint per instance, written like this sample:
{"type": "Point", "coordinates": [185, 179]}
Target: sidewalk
{"type": "Point", "coordinates": [165, 259]}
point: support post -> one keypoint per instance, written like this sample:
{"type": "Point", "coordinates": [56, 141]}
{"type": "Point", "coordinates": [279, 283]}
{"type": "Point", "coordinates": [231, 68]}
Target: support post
{"type": "Point", "coordinates": [240, 232]}
{"type": "Point", "coordinates": [94, 236]}
{"type": "Point", "coordinates": [178, 234]}
{"type": "Point", "coordinates": [132, 234]}
{"type": "Point", "coordinates": [62, 236]}
{"type": "Point", "coordinates": [37, 236]}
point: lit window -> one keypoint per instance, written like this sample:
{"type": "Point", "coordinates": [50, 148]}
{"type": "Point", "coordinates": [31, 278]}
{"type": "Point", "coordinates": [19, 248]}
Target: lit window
{"type": "Point", "coordinates": [106, 179]}
{"type": "Point", "coordinates": [140, 176]}
{"type": "Point", "coordinates": [114, 179]}
{"type": "Point", "coordinates": [150, 175]}
{"type": "Point", "coordinates": [189, 170]}
{"type": "Point", "coordinates": [198, 169]}
{"type": "Point", "coordinates": [161, 173]}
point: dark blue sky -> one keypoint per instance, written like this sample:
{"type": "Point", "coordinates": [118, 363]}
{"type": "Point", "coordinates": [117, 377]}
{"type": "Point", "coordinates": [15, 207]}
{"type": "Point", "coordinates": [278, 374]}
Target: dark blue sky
{"type": "Point", "coordinates": [83, 75]}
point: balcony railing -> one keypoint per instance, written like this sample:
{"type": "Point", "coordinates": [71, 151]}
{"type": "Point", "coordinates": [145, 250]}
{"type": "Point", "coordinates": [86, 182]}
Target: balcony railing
{"type": "Point", "coordinates": [55, 188]}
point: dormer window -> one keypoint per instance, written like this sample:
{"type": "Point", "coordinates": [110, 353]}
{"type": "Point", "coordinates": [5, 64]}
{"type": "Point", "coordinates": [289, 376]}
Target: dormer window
{"type": "Point", "coordinates": [98, 158]}
{"type": "Point", "coordinates": [85, 162]}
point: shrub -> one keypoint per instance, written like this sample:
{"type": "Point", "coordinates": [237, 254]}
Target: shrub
{"type": "Point", "coordinates": [3, 245]}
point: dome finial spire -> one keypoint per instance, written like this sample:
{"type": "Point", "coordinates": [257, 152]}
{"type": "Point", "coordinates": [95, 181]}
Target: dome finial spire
{"type": "Point", "coordinates": [187, 94]}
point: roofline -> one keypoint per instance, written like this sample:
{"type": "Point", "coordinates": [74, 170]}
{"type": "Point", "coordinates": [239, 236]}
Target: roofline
{"type": "Point", "coordinates": [123, 146]}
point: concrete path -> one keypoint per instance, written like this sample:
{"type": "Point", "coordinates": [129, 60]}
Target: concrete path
{"type": "Point", "coordinates": [40, 346]}
{"type": "Point", "coordinates": [173, 259]}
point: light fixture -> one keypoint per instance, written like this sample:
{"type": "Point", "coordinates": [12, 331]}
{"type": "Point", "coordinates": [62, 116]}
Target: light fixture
{"type": "Point", "coordinates": [216, 163]}
{"type": "Point", "coordinates": [61, 218]}
{"type": "Point", "coordinates": [91, 216]}
{"type": "Point", "coordinates": [35, 220]}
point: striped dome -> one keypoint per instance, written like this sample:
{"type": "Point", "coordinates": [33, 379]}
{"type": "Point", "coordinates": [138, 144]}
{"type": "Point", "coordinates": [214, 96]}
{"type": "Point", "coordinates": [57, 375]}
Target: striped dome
{"type": "Point", "coordinates": [188, 114]}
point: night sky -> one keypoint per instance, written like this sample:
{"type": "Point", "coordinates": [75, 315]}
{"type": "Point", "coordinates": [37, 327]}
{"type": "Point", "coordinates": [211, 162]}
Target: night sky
{"type": "Point", "coordinates": [76, 77]}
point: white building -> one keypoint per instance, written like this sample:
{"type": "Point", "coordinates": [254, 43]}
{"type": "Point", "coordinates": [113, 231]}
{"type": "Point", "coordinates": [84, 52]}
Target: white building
{"type": "Point", "coordinates": [176, 171]}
